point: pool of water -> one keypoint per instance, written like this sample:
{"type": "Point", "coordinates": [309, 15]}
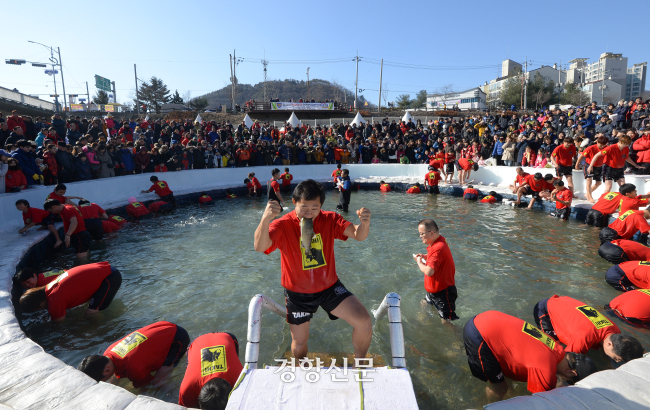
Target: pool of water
{"type": "Point", "coordinates": [197, 268]}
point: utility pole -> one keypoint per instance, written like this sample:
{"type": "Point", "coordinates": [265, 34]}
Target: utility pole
{"type": "Point", "coordinates": [381, 74]}
{"type": "Point", "coordinates": [88, 100]}
{"type": "Point", "coordinates": [308, 84]}
{"type": "Point", "coordinates": [232, 88]}
{"type": "Point", "coordinates": [65, 103]}
{"type": "Point", "coordinates": [526, 86]}
{"type": "Point", "coordinates": [114, 95]}
{"type": "Point", "coordinates": [356, 83]}
{"type": "Point", "coordinates": [137, 103]}
{"type": "Point", "coordinates": [265, 63]}
{"type": "Point", "coordinates": [234, 80]}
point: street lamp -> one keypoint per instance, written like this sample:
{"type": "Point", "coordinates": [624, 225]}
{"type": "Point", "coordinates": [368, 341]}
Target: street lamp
{"type": "Point", "coordinates": [54, 62]}
{"type": "Point", "coordinates": [308, 84]}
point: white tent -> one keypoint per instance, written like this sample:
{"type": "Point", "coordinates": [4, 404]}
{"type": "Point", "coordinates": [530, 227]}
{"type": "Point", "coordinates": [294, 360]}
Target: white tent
{"type": "Point", "coordinates": [294, 121]}
{"type": "Point", "coordinates": [358, 119]}
{"type": "Point", "coordinates": [247, 120]}
{"type": "Point", "coordinates": [407, 117]}
{"type": "Point", "coordinates": [198, 118]}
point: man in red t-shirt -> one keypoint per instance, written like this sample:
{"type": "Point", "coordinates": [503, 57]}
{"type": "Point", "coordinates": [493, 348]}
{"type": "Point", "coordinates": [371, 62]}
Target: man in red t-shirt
{"type": "Point", "coordinates": [213, 368]}
{"type": "Point", "coordinates": [158, 348]}
{"type": "Point", "coordinates": [273, 188]}
{"type": "Point", "coordinates": [562, 197]}
{"type": "Point", "coordinates": [162, 190]}
{"type": "Point", "coordinates": [93, 215]}
{"type": "Point", "coordinates": [97, 282]}
{"type": "Point", "coordinates": [305, 238]}
{"type": "Point", "coordinates": [439, 270]}
{"type": "Point", "coordinates": [562, 160]}
{"type": "Point", "coordinates": [597, 175]}
{"type": "Point", "coordinates": [59, 194]}
{"type": "Point", "coordinates": [465, 169]}
{"type": "Point", "coordinates": [471, 193]}
{"type": "Point", "coordinates": [286, 179]}
{"type": "Point", "coordinates": [415, 189]}
{"type": "Point", "coordinates": [35, 216]}
{"type": "Point", "coordinates": [616, 156]}
{"type": "Point", "coordinates": [384, 187]}
{"type": "Point", "coordinates": [611, 202]}
{"type": "Point", "coordinates": [499, 345]}
{"type": "Point", "coordinates": [626, 226]}
{"type": "Point", "coordinates": [581, 327]}
{"type": "Point", "coordinates": [136, 209]}
{"type": "Point", "coordinates": [519, 180]}
{"type": "Point", "coordinates": [532, 185]}
{"type": "Point", "coordinates": [431, 180]}
{"type": "Point", "coordinates": [76, 235]}
{"type": "Point", "coordinates": [633, 307]}
{"type": "Point", "coordinates": [622, 250]}
{"type": "Point", "coordinates": [491, 198]}
{"type": "Point", "coordinates": [336, 174]}
{"type": "Point", "coordinates": [629, 275]}
{"type": "Point", "coordinates": [28, 278]}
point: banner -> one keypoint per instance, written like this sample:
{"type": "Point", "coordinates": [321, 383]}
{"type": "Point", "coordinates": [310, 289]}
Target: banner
{"type": "Point", "coordinates": [76, 107]}
{"type": "Point", "coordinates": [109, 108]}
{"type": "Point", "coordinates": [293, 106]}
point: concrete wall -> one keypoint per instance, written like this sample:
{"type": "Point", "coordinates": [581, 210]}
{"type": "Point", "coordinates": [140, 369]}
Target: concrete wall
{"type": "Point", "coordinates": [31, 378]}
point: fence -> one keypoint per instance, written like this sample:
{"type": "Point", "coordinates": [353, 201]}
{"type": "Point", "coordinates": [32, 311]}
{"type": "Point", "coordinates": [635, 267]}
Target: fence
{"type": "Point", "coordinates": [11, 95]}
{"type": "Point", "coordinates": [331, 121]}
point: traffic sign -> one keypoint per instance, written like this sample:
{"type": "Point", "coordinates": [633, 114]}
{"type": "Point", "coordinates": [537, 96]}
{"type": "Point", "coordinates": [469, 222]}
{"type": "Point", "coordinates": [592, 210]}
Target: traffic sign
{"type": "Point", "coordinates": [102, 83]}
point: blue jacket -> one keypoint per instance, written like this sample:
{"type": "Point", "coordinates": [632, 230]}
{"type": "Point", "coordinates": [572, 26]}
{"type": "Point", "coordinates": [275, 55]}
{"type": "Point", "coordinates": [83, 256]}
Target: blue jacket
{"type": "Point", "coordinates": [82, 170]}
{"type": "Point", "coordinates": [72, 137]}
{"type": "Point", "coordinates": [346, 183]}
{"type": "Point", "coordinates": [27, 165]}
{"type": "Point", "coordinates": [60, 127]}
{"type": "Point", "coordinates": [214, 136]}
{"type": "Point", "coordinates": [285, 153]}
{"type": "Point", "coordinates": [621, 110]}
{"type": "Point", "coordinates": [498, 148]}
{"type": "Point", "coordinates": [126, 157]}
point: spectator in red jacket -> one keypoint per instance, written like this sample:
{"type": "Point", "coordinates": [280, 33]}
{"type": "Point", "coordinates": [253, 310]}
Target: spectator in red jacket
{"type": "Point", "coordinates": [15, 120]}
{"type": "Point", "coordinates": [52, 171]}
{"type": "Point", "coordinates": [142, 160]}
{"type": "Point", "coordinates": [15, 180]}
{"type": "Point", "coordinates": [642, 148]}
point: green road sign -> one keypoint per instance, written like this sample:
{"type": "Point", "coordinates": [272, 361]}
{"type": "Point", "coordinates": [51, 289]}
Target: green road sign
{"type": "Point", "coordinates": [102, 83]}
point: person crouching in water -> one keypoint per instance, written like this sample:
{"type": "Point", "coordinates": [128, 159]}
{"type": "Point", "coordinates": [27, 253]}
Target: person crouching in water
{"type": "Point", "coordinates": [273, 188]}
{"type": "Point", "coordinates": [345, 190]}
{"type": "Point", "coordinates": [162, 190]}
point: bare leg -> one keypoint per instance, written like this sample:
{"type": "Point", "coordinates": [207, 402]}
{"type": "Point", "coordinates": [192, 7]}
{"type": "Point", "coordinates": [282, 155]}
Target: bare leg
{"type": "Point", "coordinates": [496, 391]}
{"type": "Point", "coordinates": [299, 338]}
{"type": "Point", "coordinates": [588, 182]}
{"type": "Point", "coordinates": [532, 202]}
{"type": "Point", "coordinates": [569, 182]}
{"type": "Point", "coordinates": [608, 185]}
{"type": "Point", "coordinates": [352, 311]}
{"type": "Point", "coordinates": [520, 192]}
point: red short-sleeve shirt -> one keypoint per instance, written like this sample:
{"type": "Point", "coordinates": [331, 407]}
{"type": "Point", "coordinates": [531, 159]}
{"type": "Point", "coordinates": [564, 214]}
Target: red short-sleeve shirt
{"type": "Point", "coordinates": [466, 164]}
{"type": "Point", "coordinates": [615, 156]}
{"type": "Point", "coordinates": [638, 272]}
{"type": "Point", "coordinates": [161, 188]}
{"type": "Point", "coordinates": [35, 214]}
{"type": "Point", "coordinates": [59, 198]}
{"type": "Point", "coordinates": [589, 153]}
{"type": "Point", "coordinates": [74, 287]}
{"type": "Point", "coordinates": [563, 195]}
{"type": "Point", "coordinates": [634, 304]}
{"type": "Point", "coordinates": [577, 325]}
{"type": "Point", "coordinates": [69, 212]}
{"type": "Point", "coordinates": [634, 250]}
{"type": "Point", "coordinates": [302, 273]}
{"type": "Point", "coordinates": [631, 203]}
{"type": "Point", "coordinates": [432, 178]}
{"type": "Point", "coordinates": [440, 259]}
{"type": "Point", "coordinates": [524, 352]}
{"type": "Point", "coordinates": [563, 155]}
{"type": "Point", "coordinates": [627, 224]}
{"type": "Point", "coordinates": [608, 203]}
{"type": "Point", "coordinates": [209, 356]}
{"type": "Point", "coordinates": [142, 352]}
{"type": "Point", "coordinates": [90, 211]}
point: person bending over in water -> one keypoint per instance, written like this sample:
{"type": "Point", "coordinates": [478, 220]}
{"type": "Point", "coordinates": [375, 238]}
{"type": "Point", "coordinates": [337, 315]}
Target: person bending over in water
{"type": "Point", "coordinates": [309, 272]}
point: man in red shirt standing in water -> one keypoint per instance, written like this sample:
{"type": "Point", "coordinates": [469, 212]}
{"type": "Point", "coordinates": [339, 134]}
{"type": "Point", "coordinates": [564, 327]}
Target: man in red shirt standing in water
{"type": "Point", "coordinates": [305, 238]}
{"type": "Point", "coordinates": [286, 178]}
{"type": "Point", "coordinates": [336, 174]}
{"type": "Point", "coordinates": [562, 159]}
{"type": "Point", "coordinates": [76, 234]}
{"type": "Point", "coordinates": [162, 190]}
{"type": "Point", "coordinates": [616, 156]}
{"type": "Point", "coordinates": [439, 271]}
{"type": "Point", "coordinates": [597, 175]}
{"type": "Point", "coordinates": [499, 346]}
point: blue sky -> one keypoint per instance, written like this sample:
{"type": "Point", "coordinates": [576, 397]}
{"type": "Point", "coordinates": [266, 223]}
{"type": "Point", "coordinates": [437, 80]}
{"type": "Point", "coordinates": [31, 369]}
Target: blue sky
{"type": "Point", "coordinates": [424, 44]}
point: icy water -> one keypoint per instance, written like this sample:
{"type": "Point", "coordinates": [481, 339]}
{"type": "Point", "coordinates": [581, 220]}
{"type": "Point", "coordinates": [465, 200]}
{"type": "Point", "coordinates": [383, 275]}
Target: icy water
{"type": "Point", "coordinates": [197, 268]}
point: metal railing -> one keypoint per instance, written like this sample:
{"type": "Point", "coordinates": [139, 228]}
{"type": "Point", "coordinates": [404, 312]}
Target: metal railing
{"type": "Point", "coordinates": [258, 302]}
{"type": "Point", "coordinates": [390, 305]}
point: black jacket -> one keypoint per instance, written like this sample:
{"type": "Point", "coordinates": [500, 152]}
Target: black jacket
{"type": "Point", "coordinates": [66, 160]}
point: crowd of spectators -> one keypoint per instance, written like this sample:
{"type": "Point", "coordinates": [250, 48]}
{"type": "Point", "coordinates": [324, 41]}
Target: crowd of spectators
{"type": "Point", "coordinates": [59, 151]}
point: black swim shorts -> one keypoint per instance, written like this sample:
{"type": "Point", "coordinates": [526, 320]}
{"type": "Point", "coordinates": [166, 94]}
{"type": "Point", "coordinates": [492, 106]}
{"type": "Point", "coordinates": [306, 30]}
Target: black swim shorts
{"type": "Point", "coordinates": [470, 197]}
{"type": "Point", "coordinates": [616, 278]}
{"type": "Point", "coordinates": [562, 170]}
{"type": "Point", "coordinates": [562, 213]}
{"type": "Point", "coordinates": [302, 306]}
{"type": "Point", "coordinates": [444, 301]}
{"type": "Point", "coordinates": [80, 241]}
{"type": "Point", "coordinates": [529, 191]}
{"type": "Point", "coordinates": [178, 347]}
{"type": "Point", "coordinates": [433, 189]}
{"type": "Point", "coordinates": [449, 168]}
{"type": "Point", "coordinates": [542, 318]}
{"type": "Point", "coordinates": [596, 219]}
{"type": "Point", "coordinates": [596, 173]}
{"type": "Point", "coordinates": [612, 253]}
{"type": "Point", "coordinates": [613, 174]}
{"type": "Point", "coordinates": [482, 362]}
{"type": "Point", "coordinates": [102, 299]}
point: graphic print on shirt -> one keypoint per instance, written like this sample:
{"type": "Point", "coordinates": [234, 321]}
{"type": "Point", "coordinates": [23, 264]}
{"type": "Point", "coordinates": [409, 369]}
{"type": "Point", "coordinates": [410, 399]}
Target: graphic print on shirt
{"type": "Point", "coordinates": [213, 360]}
{"type": "Point", "coordinates": [317, 258]}
{"type": "Point", "coordinates": [625, 215]}
{"type": "Point", "coordinates": [594, 316]}
{"type": "Point", "coordinates": [535, 333]}
{"type": "Point", "coordinates": [53, 273]}
{"type": "Point", "coordinates": [57, 280]}
{"type": "Point", "coordinates": [129, 343]}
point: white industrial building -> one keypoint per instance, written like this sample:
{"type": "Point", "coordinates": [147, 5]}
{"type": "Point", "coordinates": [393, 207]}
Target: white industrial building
{"type": "Point", "coordinates": [635, 85]}
{"type": "Point", "coordinates": [472, 99]}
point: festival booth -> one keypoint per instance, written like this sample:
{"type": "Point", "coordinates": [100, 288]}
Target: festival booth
{"type": "Point", "coordinates": [358, 120]}
{"type": "Point", "coordinates": [407, 116]}
{"type": "Point", "coordinates": [294, 121]}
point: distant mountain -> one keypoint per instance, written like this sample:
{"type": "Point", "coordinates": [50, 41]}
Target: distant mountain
{"type": "Point", "coordinates": [284, 90]}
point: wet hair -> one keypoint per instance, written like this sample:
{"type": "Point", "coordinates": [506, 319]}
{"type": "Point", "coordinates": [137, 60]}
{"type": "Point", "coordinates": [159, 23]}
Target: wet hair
{"type": "Point", "coordinates": [538, 176]}
{"type": "Point", "coordinates": [558, 183]}
{"type": "Point", "coordinates": [345, 172]}
{"type": "Point", "coordinates": [627, 347]}
{"type": "Point", "coordinates": [627, 188]}
{"type": "Point", "coordinates": [470, 186]}
{"type": "Point", "coordinates": [94, 366]}
{"type": "Point", "coordinates": [429, 225]}
{"type": "Point", "coordinates": [153, 178]}
{"type": "Point", "coordinates": [338, 166]}
{"type": "Point", "coordinates": [24, 274]}
{"type": "Point", "coordinates": [275, 171]}
{"type": "Point", "coordinates": [309, 190]}
{"type": "Point", "coordinates": [548, 176]}
{"type": "Point", "coordinates": [31, 300]}
{"type": "Point", "coordinates": [60, 187]}
{"type": "Point", "coordinates": [286, 170]}
{"type": "Point", "coordinates": [50, 203]}
{"type": "Point", "coordinates": [214, 394]}
{"type": "Point", "coordinates": [84, 201]}
{"type": "Point", "coordinates": [22, 201]}
{"type": "Point", "coordinates": [492, 193]}
{"type": "Point", "coordinates": [246, 181]}
{"type": "Point", "coordinates": [203, 193]}
{"type": "Point", "coordinates": [475, 167]}
{"type": "Point", "coordinates": [381, 182]}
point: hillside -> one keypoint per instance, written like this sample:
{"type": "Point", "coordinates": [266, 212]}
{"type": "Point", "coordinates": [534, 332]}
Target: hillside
{"type": "Point", "coordinates": [284, 90]}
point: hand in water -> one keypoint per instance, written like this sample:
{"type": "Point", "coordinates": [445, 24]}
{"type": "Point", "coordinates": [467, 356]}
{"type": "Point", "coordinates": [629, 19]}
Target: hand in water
{"type": "Point", "coordinates": [272, 210]}
{"type": "Point", "coordinates": [57, 244]}
{"type": "Point", "coordinates": [364, 214]}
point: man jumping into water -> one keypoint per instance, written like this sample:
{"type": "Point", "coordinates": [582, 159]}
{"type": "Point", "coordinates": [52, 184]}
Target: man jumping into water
{"type": "Point", "coordinates": [309, 272]}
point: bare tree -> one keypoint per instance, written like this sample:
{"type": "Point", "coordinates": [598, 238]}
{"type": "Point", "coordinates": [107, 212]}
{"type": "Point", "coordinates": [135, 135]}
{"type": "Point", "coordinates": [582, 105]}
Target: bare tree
{"type": "Point", "coordinates": [187, 97]}
{"type": "Point", "coordinates": [442, 93]}
{"type": "Point", "coordinates": [541, 97]}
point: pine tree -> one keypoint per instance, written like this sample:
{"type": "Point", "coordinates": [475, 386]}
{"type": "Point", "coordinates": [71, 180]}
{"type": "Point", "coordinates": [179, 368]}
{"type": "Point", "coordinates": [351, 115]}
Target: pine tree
{"type": "Point", "coordinates": [101, 97]}
{"type": "Point", "coordinates": [154, 93]}
{"type": "Point", "coordinates": [176, 98]}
